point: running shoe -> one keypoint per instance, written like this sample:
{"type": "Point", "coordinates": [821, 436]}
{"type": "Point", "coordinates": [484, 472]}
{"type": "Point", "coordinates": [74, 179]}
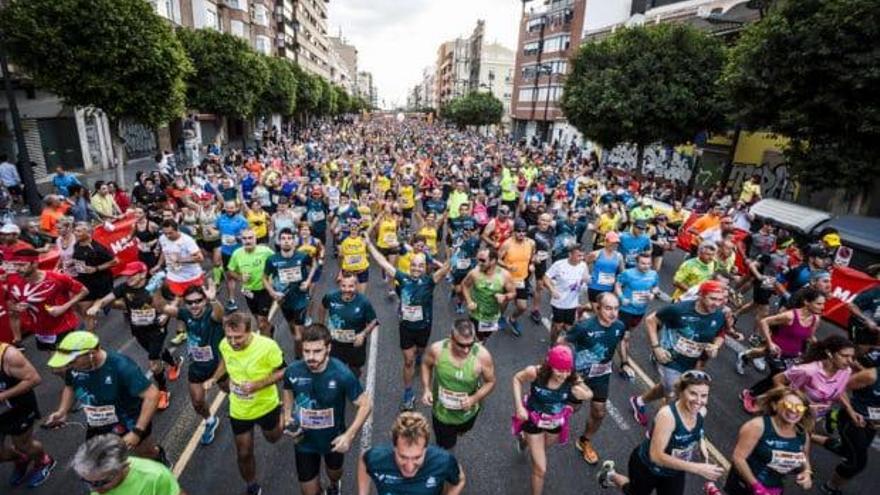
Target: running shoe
{"type": "Point", "coordinates": [391, 293]}
{"type": "Point", "coordinates": [626, 372]}
{"type": "Point", "coordinates": [585, 446]}
{"type": "Point", "coordinates": [515, 329]}
{"type": "Point", "coordinates": [459, 309]}
{"type": "Point", "coordinates": [179, 338]}
{"type": "Point", "coordinates": [536, 316]}
{"type": "Point", "coordinates": [211, 425]}
{"type": "Point", "coordinates": [164, 400]}
{"type": "Point", "coordinates": [640, 412]}
{"type": "Point", "coordinates": [710, 488]}
{"type": "Point", "coordinates": [740, 363]}
{"type": "Point", "coordinates": [254, 489]}
{"type": "Point", "coordinates": [749, 403]}
{"type": "Point", "coordinates": [231, 307]}
{"type": "Point", "coordinates": [833, 421]}
{"type": "Point", "coordinates": [409, 401]}
{"type": "Point", "coordinates": [41, 472]}
{"type": "Point", "coordinates": [19, 471]}
{"type": "Point", "coordinates": [760, 364]}
{"type": "Point", "coordinates": [604, 475]}
{"type": "Point", "coordinates": [174, 371]}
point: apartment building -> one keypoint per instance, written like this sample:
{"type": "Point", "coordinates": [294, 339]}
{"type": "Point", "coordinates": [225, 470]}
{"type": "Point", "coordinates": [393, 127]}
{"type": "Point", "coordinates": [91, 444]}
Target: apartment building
{"type": "Point", "coordinates": [366, 89]}
{"type": "Point", "coordinates": [305, 41]}
{"type": "Point", "coordinates": [495, 74]}
{"type": "Point", "coordinates": [345, 69]}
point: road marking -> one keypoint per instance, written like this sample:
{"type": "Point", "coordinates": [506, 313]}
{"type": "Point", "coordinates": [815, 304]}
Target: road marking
{"type": "Point", "coordinates": [546, 323]}
{"type": "Point", "coordinates": [876, 443]}
{"type": "Point", "coordinates": [616, 416]}
{"type": "Point", "coordinates": [367, 429]}
{"type": "Point", "coordinates": [713, 451]}
{"type": "Point", "coordinates": [190, 448]}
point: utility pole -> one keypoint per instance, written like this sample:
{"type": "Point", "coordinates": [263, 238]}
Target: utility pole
{"type": "Point", "coordinates": [31, 195]}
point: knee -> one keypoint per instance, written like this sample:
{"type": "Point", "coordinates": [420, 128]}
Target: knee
{"type": "Point", "coordinates": [598, 413]}
{"type": "Point", "coordinates": [539, 470]}
{"type": "Point", "coordinates": [245, 454]}
{"type": "Point", "coordinates": [409, 360]}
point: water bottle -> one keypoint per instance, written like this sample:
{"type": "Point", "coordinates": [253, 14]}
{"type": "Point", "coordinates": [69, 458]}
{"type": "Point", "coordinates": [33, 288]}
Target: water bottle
{"type": "Point", "coordinates": [155, 282]}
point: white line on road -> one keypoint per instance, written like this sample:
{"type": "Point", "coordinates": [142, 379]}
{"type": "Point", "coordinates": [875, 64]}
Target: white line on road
{"type": "Point", "coordinates": [546, 323]}
{"type": "Point", "coordinates": [616, 416]}
{"type": "Point", "coordinates": [367, 430]}
{"type": "Point", "coordinates": [876, 443]}
{"type": "Point", "coordinates": [190, 448]}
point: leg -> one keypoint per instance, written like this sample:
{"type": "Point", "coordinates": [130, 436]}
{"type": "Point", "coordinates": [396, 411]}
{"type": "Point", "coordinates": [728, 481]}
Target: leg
{"type": "Point", "coordinates": [296, 332]}
{"type": "Point", "coordinates": [247, 465]}
{"type": "Point", "coordinates": [90, 321]}
{"type": "Point", "coordinates": [598, 410]}
{"type": "Point", "coordinates": [409, 366]}
{"type": "Point", "coordinates": [197, 398]}
{"type": "Point", "coordinates": [539, 461]}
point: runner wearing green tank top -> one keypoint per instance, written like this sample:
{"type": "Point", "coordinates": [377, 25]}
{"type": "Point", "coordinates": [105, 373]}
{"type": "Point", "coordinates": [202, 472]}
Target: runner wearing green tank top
{"type": "Point", "coordinates": [487, 289]}
{"type": "Point", "coordinates": [457, 374]}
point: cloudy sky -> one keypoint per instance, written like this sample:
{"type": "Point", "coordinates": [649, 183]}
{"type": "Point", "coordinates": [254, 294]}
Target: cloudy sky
{"type": "Point", "coordinates": [397, 38]}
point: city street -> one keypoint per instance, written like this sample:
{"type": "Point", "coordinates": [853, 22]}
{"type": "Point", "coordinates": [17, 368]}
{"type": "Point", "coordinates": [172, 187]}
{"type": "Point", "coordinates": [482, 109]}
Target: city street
{"type": "Point", "coordinates": [487, 453]}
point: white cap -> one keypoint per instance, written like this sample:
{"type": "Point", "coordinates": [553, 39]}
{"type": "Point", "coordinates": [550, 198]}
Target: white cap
{"type": "Point", "coordinates": [10, 228]}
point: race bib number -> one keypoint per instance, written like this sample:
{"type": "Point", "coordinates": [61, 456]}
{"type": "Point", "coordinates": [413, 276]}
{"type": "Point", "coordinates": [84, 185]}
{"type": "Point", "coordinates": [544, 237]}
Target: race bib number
{"type": "Point", "coordinates": [290, 275]}
{"type": "Point", "coordinates": [344, 336]}
{"type": "Point", "coordinates": [239, 392]}
{"type": "Point", "coordinates": [144, 248]}
{"type": "Point", "coordinates": [411, 313]}
{"type": "Point", "coordinates": [641, 296]}
{"type": "Point", "coordinates": [550, 422]}
{"type": "Point", "coordinates": [228, 240]}
{"type": "Point", "coordinates": [487, 326]}
{"type": "Point", "coordinates": [520, 284]}
{"type": "Point", "coordinates": [452, 400]}
{"type": "Point", "coordinates": [463, 263]}
{"type": "Point", "coordinates": [599, 369]}
{"type": "Point", "coordinates": [316, 419]}
{"type": "Point", "coordinates": [353, 259]}
{"type": "Point", "coordinates": [143, 317]}
{"type": "Point", "coordinates": [606, 278]}
{"type": "Point", "coordinates": [784, 462]}
{"type": "Point", "coordinates": [688, 348]}
{"type": "Point", "coordinates": [874, 415]}
{"type": "Point", "coordinates": [390, 239]}
{"type": "Point", "coordinates": [542, 256]}
{"type": "Point", "coordinates": [100, 415]}
{"type": "Point", "coordinates": [316, 216]}
{"type": "Point", "coordinates": [686, 454]}
{"type": "Point", "coordinates": [201, 354]}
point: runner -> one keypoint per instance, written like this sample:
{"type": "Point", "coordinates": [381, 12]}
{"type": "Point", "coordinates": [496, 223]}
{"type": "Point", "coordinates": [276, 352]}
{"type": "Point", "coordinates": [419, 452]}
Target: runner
{"type": "Point", "coordinates": [230, 224]}
{"type": "Point", "coordinates": [690, 330]}
{"type": "Point", "coordinates": [146, 235]}
{"type": "Point", "coordinates": [694, 271]}
{"type": "Point", "coordinates": [566, 280]}
{"type": "Point", "coordinates": [104, 465]}
{"type": "Point", "coordinates": [181, 258]}
{"type": "Point", "coordinates": [255, 365]}
{"type": "Point", "coordinates": [387, 239]}
{"type": "Point", "coordinates": [499, 229]}
{"type": "Point", "coordinates": [315, 249]}
{"type": "Point", "coordinates": [351, 319]}
{"type": "Point", "coordinates": [594, 341]}
{"type": "Point", "coordinates": [457, 374]}
{"type": "Point", "coordinates": [203, 319]}
{"type": "Point", "coordinates": [18, 413]}
{"type": "Point", "coordinates": [486, 289]}
{"type": "Point", "coordinates": [673, 447]}
{"type": "Point", "coordinates": [410, 465]}
{"type": "Point", "coordinates": [354, 255]}
{"type": "Point", "coordinates": [248, 264]}
{"type": "Point", "coordinates": [93, 262]}
{"type": "Point", "coordinates": [316, 389]}
{"type": "Point", "coordinates": [662, 240]}
{"type": "Point", "coordinates": [636, 288]}
{"type": "Point", "coordinates": [415, 313]}
{"type": "Point", "coordinates": [147, 325]}
{"type": "Point", "coordinates": [543, 235]}
{"type": "Point", "coordinates": [542, 415]}
{"type": "Point", "coordinates": [288, 277]}
{"type": "Point", "coordinates": [516, 255]}
{"type": "Point", "coordinates": [125, 409]}
{"type": "Point", "coordinates": [633, 242]}
{"type": "Point", "coordinates": [463, 260]}
{"type": "Point", "coordinates": [606, 263]}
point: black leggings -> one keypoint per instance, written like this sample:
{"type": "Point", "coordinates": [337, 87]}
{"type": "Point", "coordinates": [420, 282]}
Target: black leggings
{"type": "Point", "coordinates": [774, 367]}
{"type": "Point", "coordinates": [856, 442]}
{"type": "Point", "coordinates": [736, 485]}
{"type": "Point", "coordinates": [643, 482]}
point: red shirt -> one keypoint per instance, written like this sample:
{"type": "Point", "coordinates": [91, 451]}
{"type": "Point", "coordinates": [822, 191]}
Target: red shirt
{"type": "Point", "coordinates": [6, 250]}
{"type": "Point", "coordinates": [55, 289]}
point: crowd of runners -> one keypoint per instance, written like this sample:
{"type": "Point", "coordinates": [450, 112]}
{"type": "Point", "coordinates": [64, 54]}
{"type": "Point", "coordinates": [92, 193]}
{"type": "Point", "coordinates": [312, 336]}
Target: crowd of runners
{"type": "Point", "coordinates": [503, 228]}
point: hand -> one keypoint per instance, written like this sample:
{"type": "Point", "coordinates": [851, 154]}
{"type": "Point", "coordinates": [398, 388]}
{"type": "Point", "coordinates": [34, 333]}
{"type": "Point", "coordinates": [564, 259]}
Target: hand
{"type": "Point", "coordinates": [210, 291]}
{"type": "Point", "coordinates": [858, 419]}
{"type": "Point", "coordinates": [247, 387]}
{"type": "Point", "coordinates": [662, 355]}
{"type": "Point", "coordinates": [131, 440]}
{"type": "Point", "coordinates": [56, 420]}
{"type": "Point", "coordinates": [556, 294]}
{"type": "Point", "coordinates": [305, 286]}
{"type": "Point", "coordinates": [56, 311]}
{"type": "Point", "coordinates": [804, 479]}
{"type": "Point", "coordinates": [341, 444]}
{"type": "Point", "coordinates": [711, 351]}
{"type": "Point", "coordinates": [428, 398]}
{"type": "Point", "coordinates": [521, 413]}
{"type": "Point", "coordinates": [359, 339]}
{"type": "Point", "coordinates": [773, 349]}
{"type": "Point", "coordinates": [276, 295]}
{"type": "Point", "coordinates": [92, 311]}
{"type": "Point", "coordinates": [472, 306]}
{"type": "Point", "coordinates": [709, 471]}
{"type": "Point", "coordinates": [468, 402]}
{"type": "Point", "coordinates": [501, 298]}
{"type": "Point", "coordinates": [87, 269]}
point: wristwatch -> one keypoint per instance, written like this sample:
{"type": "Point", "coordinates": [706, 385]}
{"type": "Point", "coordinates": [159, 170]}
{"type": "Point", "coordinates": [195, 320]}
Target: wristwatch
{"type": "Point", "coordinates": [139, 432]}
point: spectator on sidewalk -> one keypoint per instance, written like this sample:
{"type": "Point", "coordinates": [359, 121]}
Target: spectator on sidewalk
{"type": "Point", "coordinates": [103, 202]}
{"type": "Point", "coordinates": [54, 208]}
{"type": "Point", "coordinates": [11, 180]}
{"type": "Point", "coordinates": [62, 182]}
{"type": "Point", "coordinates": [123, 200]}
{"type": "Point", "coordinates": [81, 210]}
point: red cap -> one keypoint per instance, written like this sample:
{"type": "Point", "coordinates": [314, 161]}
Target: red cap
{"type": "Point", "coordinates": [133, 268]}
{"type": "Point", "coordinates": [710, 286]}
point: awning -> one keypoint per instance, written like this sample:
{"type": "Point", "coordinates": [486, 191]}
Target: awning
{"type": "Point", "coordinates": [789, 215]}
{"type": "Point", "coordinates": [857, 231]}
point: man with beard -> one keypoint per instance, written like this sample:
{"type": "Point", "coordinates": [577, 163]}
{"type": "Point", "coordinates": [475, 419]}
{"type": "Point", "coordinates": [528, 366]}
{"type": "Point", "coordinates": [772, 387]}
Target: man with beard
{"type": "Point", "coordinates": [351, 319]}
{"type": "Point", "coordinates": [230, 225]}
{"type": "Point", "coordinates": [288, 276]}
{"type": "Point", "coordinates": [316, 389]}
{"type": "Point", "coordinates": [543, 234]}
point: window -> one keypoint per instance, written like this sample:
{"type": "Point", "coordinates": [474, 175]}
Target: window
{"type": "Point", "coordinates": [261, 15]}
{"type": "Point", "coordinates": [237, 28]}
{"type": "Point", "coordinates": [532, 48]}
{"type": "Point", "coordinates": [205, 15]}
{"type": "Point", "coordinates": [236, 4]}
{"type": "Point", "coordinates": [262, 44]}
{"type": "Point", "coordinates": [535, 24]}
{"type": "Point", "coordinates": [557, 43]}
{"type": "Point", "coordinates": [526, 94]}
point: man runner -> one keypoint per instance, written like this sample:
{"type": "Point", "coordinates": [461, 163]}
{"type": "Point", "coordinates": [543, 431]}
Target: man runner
{"type": "Point", "coordinates": [486, 289]}
{"type": "Point", "coordinates": [516, 255]}
{"type": "Point", "coordinates": [248, 264]}
{"type": "Point", "coordinates": [288, 276]}
{"type": "Point", "coordinates": [351, 319]}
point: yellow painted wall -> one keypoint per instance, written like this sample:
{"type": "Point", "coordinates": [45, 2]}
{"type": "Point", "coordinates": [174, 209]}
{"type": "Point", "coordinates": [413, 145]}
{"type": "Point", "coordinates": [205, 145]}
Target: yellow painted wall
{"type": "Point", "coordinates": [751, 147]}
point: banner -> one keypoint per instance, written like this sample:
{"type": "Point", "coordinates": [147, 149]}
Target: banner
{"type": "Point", "coordinates": [116, 237]}
{"type": "Point", "coordinates": [846, 284]}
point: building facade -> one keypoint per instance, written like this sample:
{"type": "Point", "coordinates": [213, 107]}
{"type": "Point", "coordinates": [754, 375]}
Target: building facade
{"type": "Point", "coordinates": [345, 74]}
{"type": "Point", "coordinates": [305, 39]}
{"type": "Point", "coordinates": [495, 74]}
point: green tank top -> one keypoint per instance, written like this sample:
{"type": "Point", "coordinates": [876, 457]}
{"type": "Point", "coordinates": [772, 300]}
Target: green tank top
{"type": "Point", "coordinates": [452, 383]}
{"type": "Point", "coordinates": [485, 289]}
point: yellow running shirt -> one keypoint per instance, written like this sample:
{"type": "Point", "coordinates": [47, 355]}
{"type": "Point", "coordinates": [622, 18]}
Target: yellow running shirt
{"type": "Point", "coordinates": [255, 362]}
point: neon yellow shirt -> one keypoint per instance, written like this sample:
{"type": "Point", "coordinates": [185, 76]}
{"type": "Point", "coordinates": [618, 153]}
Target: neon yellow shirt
{"type": "Point", "coordinates": [354, 254]}
{"type": "Point", "coordinates": [692, 272]}
{"type": "Point", "coordinates": [255, 362]}
{"type": "Point", "coordinates": [259, 223]}
{"type": "Point", "coordinates": [146, 477]}
{"type": "Point", "coordinates": [430, 235]}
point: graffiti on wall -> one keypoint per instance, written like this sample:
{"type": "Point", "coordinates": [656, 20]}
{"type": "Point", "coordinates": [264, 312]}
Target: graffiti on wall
{"type": "Point", "coordinates": [662, 161]}
{"type": "Point", "coordinates": [775, 181]}
{"type": "Point", "coordinates": [140, 140]}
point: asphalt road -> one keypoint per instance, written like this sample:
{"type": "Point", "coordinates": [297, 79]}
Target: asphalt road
{"type": "Point", "coordinates": [487, 453]}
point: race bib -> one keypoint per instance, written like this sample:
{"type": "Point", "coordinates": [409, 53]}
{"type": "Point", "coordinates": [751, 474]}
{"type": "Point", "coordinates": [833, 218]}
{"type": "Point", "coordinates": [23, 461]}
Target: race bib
{"type": "Point", "coordinates": [144, 248]}
{"type": "Point", "coordinates": [549, 422]}
{"type": "Point", "coordinates": [606, 278]}
{"type": "Point", "coordinates": [520, 284]}
{"type": "Point", "coordinates": [686, 454]}
{"type": "Point", "coordinates": [201, 354]}
{"type": "Point", "coordinates": [143, 317]}
{"type": "Point", "coordinates": [79, 266]}
{"type": "Point", "coordinates": [487, 326]}
{"type": "Point", "coordinates": [411, 313]}
{"type": "Point", "coordinates": [353, 259]}
{"type": "Point", "coordinates": [542, 256]}
{"type": "Point", "coordinates": [689, 348]}
{"type": "Point", "coordinates": [390, 239]}
{"type": "Point", "coordinates": [227, 240]}
{"type": "Point", "coordinates": [100, 415]}
{"type": "Point", "coordinates": [344, 336]}
{"type": "Point", "coordinates": [316, 419]}
{"type": "Point", "coordinates": [641, 296]}
{"type": "Point", "coordinates": [599, 369]}
{"type": "Point", "coordinates": [463, 263]}
{"type": "Point", "coordinates": [290, 275]}
{"type": "Point", "coordinates": [239, 392]}
{"type": "Point", "coordinates": [451, 400]}
{"type": "Point", "coordinates": [784, 462]}
{"type": "Point", "coordinates": [316, 216]}
{"type": "Point", "coordinates": [874, 415]}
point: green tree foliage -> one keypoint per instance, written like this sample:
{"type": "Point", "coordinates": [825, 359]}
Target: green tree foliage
{"type": "Point", "coordinates": [229, 77]}
{"type": "Point", "coordinates": [474, 109]}
{"type": "Point", "coordinates": [280, 94]}
{"type": "Point", "coordinates": [117, 55]}
{"type": "Point", "coordinates": [308, 92]}
{"type": "Point", "coordinates": [328, 97]}
{"type": "Point", "coordinates": [809, 71]}
{"type": "Point", "coordinates": [644, 85]}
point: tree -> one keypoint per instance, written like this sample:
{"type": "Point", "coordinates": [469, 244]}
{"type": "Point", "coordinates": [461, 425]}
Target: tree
{"type": "Point", "coordinates": [85, 52]}
{"type": "Point", "coordinates": [644, 85]}
{"type": "Point", "coordinates": [308, 94]}
{"type": "Point", "coordinates": [808, 71]}
{"type": "Point", "coordinates": [328, 98]}
{"type": "Point", "coordinates": [475, 109]}
{"type": "Point", "coordinates": [229, 76]}
{"type": "Point", "coordinates": [280, 94]}
{"type": "Point", "coordinates": [343, 101]}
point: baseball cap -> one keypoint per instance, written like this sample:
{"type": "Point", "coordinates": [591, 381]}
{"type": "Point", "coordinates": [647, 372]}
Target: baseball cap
{"type": "Point", "coordinates": [640, 224]}
{"type": "Point", "coordinates": [520, 225]}
{"type": "Point", "coordinates": [830, 240]}
{"type": "Point", "coordinates": [10, 228]}
{"type": "Point", "coordinates": [612, 237]}
{"type": "Point", "coordinates": [503, 209]}
{"type": "Point", "coordinates": [74, 345]}
{"type": "Point", "coordinates": [134, 267]}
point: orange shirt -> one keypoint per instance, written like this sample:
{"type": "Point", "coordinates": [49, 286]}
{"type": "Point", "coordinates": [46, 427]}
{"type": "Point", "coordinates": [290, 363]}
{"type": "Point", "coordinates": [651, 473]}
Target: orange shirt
{"type": "Point", "coordinates": [704, 223]}
{"type": "Point", "coordinates": [49, 218]}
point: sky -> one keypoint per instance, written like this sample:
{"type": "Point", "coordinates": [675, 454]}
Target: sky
{"type": "Point", "coordinates": [396, 39]}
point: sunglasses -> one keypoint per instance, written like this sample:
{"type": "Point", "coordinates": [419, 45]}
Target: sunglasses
{"type": "Point", "coordinates": [697, 375]}
{"type": "Point", "coordinates": [482, 260]}
{"type": "Point", "coordinates": [193, 302]}
{"type": "Point", "coordinates": [98, 484]}
{"type": "Point", "coordinates": [794, 407]}
{"type": "Point", "coordinates": [463, 346]}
